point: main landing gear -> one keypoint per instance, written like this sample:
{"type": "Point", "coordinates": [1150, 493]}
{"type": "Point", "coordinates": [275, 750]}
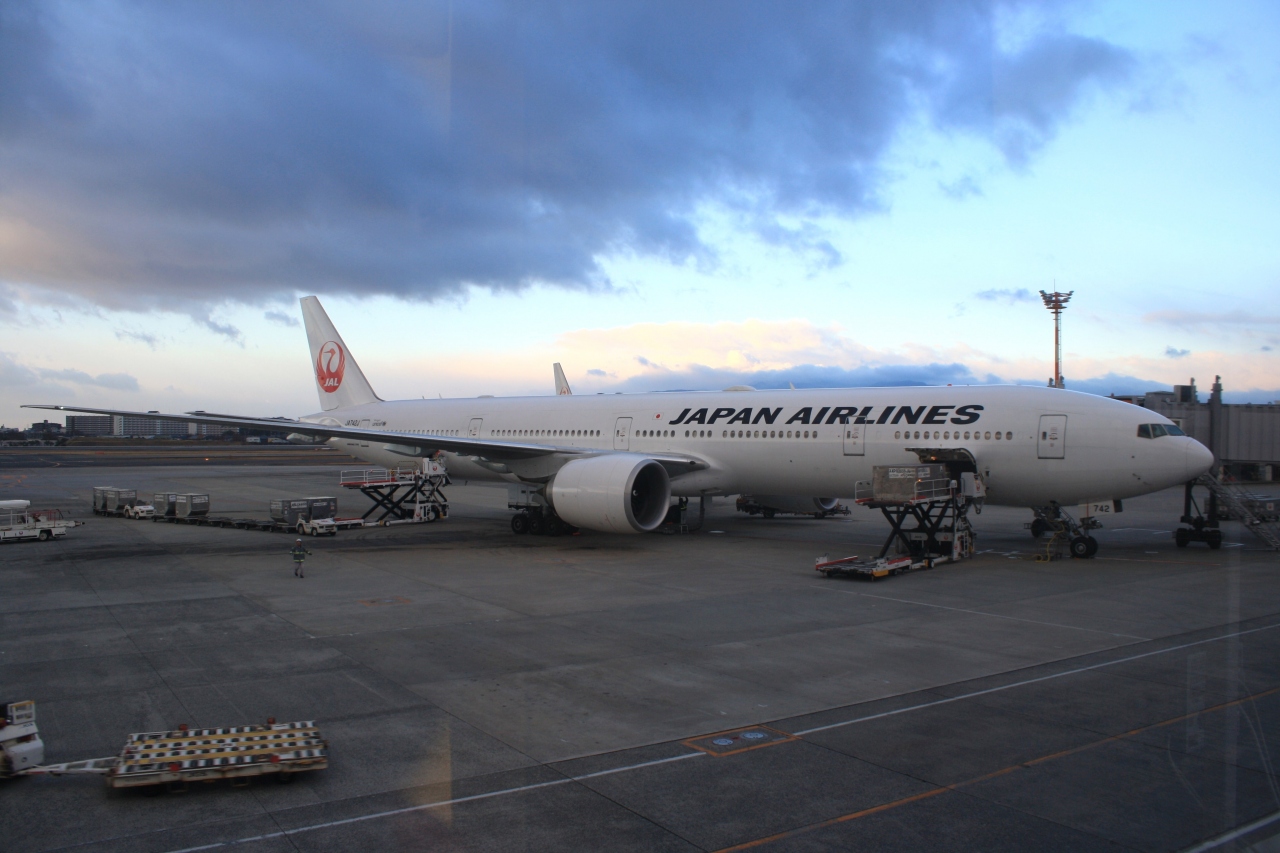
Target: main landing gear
{"type": "Point", "coordinates": [540, 522]}
{"type": "Point", "coordinates": [1064, 532]}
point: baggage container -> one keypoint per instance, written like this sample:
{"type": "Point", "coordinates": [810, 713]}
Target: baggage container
{"type": "Point", "coordinates": [191, 506]}
{"type": "Point", "coordinates": [166, 504]}
{"type": "Point", "coordinates": [100, 498]}
{"type": "Point", "coordinates": [321, 508]}
{"type": "Point", "coordinates": [118, 499]}
{"type": "Point", "coordinates": [290, 510]}
{"type": "Point", "coordinates": [909, 482]}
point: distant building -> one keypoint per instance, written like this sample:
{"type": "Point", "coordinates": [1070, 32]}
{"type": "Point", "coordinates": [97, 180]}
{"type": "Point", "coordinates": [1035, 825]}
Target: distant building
{"type": "Point", "coordinates": [46, 429]}
{"type": "Point", "coordinates": [135, 425]}
{"type": "Point", "coordinates": [89, 425]}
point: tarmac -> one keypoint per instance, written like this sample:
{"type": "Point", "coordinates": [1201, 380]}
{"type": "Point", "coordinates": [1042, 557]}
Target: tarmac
{"type": "Point", "coordinates": [706, 691]}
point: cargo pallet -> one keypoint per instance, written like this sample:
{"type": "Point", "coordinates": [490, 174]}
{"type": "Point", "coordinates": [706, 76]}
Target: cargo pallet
{"type": "Point", "coordinates": [404, 495]}
{"type": "Point", "coordinates": [176, 758]}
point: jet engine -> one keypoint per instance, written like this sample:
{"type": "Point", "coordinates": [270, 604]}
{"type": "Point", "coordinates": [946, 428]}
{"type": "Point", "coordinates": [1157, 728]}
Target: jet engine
{"type": "Point", "coordinates": [614, 493]}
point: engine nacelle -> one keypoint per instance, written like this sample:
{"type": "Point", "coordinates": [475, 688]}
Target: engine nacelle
{"type": "Point", "coordinates": [799, 505]}
{"type": "Point", "coordinates": [614, 493]}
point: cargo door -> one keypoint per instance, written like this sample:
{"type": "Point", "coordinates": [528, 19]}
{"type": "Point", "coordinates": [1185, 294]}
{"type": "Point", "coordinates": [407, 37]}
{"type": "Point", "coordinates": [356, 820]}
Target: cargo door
{"type": "Point", "coordinates": [1052, 440]}
{"type": "Point", "coordinates": [853, 434]}
{"type": "Point", "coordinates": [622, 434]}
{"type": "Point", "coordinates": [473, 429]}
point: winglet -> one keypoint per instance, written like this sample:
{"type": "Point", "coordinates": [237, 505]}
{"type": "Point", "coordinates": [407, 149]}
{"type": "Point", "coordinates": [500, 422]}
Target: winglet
{"type": "Point", "coordinates": [562, 384]}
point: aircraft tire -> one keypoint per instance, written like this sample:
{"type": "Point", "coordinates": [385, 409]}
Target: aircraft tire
{"type": "Point", "coordinates": [1093, 546]}
{"type": "Point", "coordinates": [520, 523]}
{"type": "Point", "coordinates": [1038, 528]}
{"type": "Point", "coordinates": [1181, 537]}
{"type": "Point", "coordinates": [1215, 539]}
{"type": "Point", "coordinates": [1080, 548]}
{"type": "Point", "coordinates": [537, 525]}
{"type": "Point", "coordinates": [767, 513]}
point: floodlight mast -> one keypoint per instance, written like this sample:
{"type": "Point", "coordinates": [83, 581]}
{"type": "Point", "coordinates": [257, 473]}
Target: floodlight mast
{"type": "Point", "coordinates": [1056, 302]}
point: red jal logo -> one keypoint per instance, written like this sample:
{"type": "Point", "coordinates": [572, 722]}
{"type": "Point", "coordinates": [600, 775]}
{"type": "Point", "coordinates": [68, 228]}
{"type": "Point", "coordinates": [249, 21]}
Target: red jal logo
{"type": "Point", "coordinates": [330, 365]}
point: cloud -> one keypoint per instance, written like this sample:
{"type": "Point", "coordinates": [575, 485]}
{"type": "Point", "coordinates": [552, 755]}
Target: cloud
{"type": "Point", "coordinates": [226, 330]}
{"type": "Point", "coordinates": [1174, 352]}
{"type": "Point", "coordinates": [115, 381]}
{"type": "Point", "coordinates": [961, 188]}
{"type": "Point", "coordinates": [282, 318]}
{"type": "Point", "coordinates": [183, 156]}
{"type": "Point", "coordinates": [141, 337]}
{"type": "Point", "coordinates": [1208, 319]}
{"type": "Point", "coordinates": [15, 374]}
{"type": "Point", "coordinates": [595, 371]}
{"type": "Point", "coordinates": [1011, 297]}
{"type": "Point", "coordinates": [696, 377]}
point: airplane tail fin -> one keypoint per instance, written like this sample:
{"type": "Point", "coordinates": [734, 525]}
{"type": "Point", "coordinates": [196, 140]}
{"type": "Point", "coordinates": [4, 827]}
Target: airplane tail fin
{"type": "Point", "coordinates": [339, 381]}
{"type": "Point", "coordinates": [562, 384]}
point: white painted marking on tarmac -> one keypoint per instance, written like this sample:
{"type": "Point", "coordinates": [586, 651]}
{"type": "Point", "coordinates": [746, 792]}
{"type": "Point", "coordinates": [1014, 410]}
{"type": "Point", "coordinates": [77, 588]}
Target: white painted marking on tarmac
{"type": "Point", "coordinates": [1228, 837]}
{"type": "Point", "coordinates": [976, 693]}
{"type": "Point", "coordinates": [982, 613]}
{"type": "Point", "coordinates": [218, 845]}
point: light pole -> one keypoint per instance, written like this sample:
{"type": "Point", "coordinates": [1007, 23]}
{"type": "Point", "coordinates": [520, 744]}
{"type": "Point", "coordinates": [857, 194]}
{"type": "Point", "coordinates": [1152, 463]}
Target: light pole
{"type": "Point", "coordinates": [1057, 303]}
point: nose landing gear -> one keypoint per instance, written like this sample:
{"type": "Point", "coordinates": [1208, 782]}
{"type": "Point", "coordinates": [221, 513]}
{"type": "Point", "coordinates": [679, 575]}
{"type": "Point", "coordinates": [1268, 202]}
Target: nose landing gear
{"type": "Point", "coordinates": [1064, 532]}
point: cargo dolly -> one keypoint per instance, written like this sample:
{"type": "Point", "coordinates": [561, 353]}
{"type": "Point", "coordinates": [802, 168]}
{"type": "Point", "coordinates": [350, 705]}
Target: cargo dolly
{"type": "Point", "coordinates": [404, 495]}
{"type": "Point", "coordinates": [173, 758]}
{"type": "Point", "coordinates": [927, 508]}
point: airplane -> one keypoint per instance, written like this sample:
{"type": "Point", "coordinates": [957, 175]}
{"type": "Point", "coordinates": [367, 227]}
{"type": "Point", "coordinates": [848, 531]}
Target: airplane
{"type": "Point", "coordinates": [612, 462]}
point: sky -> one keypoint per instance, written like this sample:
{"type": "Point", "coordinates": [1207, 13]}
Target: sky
{"type": "Point", "coordinates": [657, 195]}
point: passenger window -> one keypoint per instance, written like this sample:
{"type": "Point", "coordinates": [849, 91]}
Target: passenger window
{"type": "Point", "coordinates": [1173, 430]}
{"type": "Point", "coordinates": [1144, 431]}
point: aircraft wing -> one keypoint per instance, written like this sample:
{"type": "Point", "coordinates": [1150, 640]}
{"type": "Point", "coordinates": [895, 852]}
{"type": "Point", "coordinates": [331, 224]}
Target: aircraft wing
{"type": "Point", "coordinates": [482, 448]}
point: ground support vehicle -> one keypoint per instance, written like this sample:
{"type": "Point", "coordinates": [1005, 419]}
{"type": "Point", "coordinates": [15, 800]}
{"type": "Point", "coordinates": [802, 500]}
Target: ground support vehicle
{"type": "Point", "coordinates": [19, 522]}
{"type": "Point", "coordinates": [176, 758]}
{"type": "Point", "coordinates": [140, 511]}
{"type": "Point", "coordinates": [20, 744]}
{"type": "Point", "coordinates": [401, 495]}
{"type": "Point", "coordinates": [927, 510]}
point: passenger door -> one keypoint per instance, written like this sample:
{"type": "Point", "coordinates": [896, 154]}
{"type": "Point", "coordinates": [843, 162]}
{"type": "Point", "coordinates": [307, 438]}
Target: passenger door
{"type": "Point", "coordinates": [622, 434]}
{"type": "Point", "coordinates": [473, 429]}
{"type": "Point", "coordinates": [1052, 440]}
{"type": "Point", "coordinates": [853, 435]}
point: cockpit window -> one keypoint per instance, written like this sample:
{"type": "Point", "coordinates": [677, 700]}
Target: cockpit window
{"type": "Point", "coordinates": [1158, 430]}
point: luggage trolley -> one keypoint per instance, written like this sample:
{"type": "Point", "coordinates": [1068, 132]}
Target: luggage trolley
{"type": "Point", "coordinates": [172, 758]}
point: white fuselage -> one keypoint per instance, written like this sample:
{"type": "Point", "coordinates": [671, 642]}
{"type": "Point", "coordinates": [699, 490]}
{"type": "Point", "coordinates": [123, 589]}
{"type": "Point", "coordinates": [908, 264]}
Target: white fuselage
{"type": "Point", "coordinates": [1033, 445]}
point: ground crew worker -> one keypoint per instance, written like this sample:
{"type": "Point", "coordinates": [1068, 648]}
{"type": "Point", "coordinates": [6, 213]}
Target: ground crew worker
{"type": "Point", "coordinates": [299, 552]}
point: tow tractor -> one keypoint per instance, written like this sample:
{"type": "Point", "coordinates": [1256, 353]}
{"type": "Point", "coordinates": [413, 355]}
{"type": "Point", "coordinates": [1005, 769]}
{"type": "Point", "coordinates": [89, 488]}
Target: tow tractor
{"type": "Point", "coordinates": [937, 497]}
{"type": "Point", "coordinates": [172, 758]}
{"type": "Point", "coordinates": [18, 521]}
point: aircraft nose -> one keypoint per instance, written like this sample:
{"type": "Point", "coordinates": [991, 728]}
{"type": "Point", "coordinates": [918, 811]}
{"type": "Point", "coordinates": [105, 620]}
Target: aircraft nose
{"type": "Point", "coordinates": [1199, 459]}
